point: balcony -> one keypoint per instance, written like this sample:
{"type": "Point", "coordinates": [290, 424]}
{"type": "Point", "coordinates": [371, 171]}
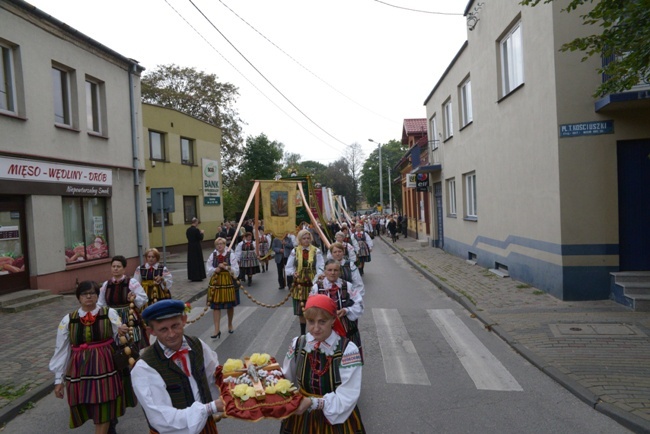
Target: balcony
{"type": "Point", "coordinates": [636, 97]}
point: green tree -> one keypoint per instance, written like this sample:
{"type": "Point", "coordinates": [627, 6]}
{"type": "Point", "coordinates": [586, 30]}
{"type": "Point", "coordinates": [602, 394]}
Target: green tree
{"type": "Point", "coordinates": [338, 177]}
{"type": "Point", "coordinates": [391, 153]}
{"type": "Point", "coordinates": [355, 158]}
{"type": "Point", "coordinates": [625, 37]}
{"type": "Point", "coordinates": [261, 160]}
{"type": "Point", "coordinates": [312, 168]}
{"type": "Point", "coordinates": [202, 96]}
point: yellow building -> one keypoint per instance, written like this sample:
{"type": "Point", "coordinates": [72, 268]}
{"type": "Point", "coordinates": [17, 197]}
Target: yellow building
{"type": "Point", "coordinates": [182, 153]}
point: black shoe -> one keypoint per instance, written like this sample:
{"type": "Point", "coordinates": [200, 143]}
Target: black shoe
{"type": "Point", "coordinates": [281, 288]}
{"type": "Point", "coordinates": [231, 331]}
{"type": "Point", "coordinates": [217, 336]}
{"type": "Point", "coordinates": [250, 282]}
{"type": "Point", "coordinates": [111, 427]}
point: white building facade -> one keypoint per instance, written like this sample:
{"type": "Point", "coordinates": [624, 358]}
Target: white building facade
{"type": "Point", "coordinates": [539, 180]}
{"type": "Point", "coordinates": [71, 193]}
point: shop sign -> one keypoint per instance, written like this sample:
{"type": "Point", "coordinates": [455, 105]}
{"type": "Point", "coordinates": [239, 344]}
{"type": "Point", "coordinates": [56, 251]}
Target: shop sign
{"type": "Point", "coordinates": [422, 181]}
{"type": "Point", "coordinates": [9, 233]}
{"type": "Point", "coordinates": [410, 180]}
{"type": "Point", "coordinates": [40, 171]}
{"type": "Point", "coordinates": [211, 186]}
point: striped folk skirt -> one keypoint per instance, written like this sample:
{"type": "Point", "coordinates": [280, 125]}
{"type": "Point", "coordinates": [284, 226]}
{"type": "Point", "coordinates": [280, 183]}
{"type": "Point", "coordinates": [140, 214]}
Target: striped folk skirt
{"type": "Point", "coordinates": [222, 293]}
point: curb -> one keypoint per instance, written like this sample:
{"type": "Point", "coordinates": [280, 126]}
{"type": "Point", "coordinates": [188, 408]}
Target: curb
{"type": "Point", "coordinates": [625, 418]}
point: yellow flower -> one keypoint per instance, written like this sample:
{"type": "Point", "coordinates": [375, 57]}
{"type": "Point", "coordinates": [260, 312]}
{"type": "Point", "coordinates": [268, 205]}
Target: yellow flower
{"type": "Point", "coordinates": [270, 390]}
{"type": "Point", "coordinates": [250, 392]}
{"type": "Point", "coordinates": [283, 386]}
{"type": "Point", "coordinates": [260, 359]}
{"type": "Point", "coordinates": [232, 365]}
{"type": "Point", "coordinates": [240, 390]}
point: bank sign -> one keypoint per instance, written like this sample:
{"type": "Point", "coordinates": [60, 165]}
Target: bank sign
{"type": "Point", "coordinates": [587, 129]}
{"type": "Point", "coordinates": [211, 186]}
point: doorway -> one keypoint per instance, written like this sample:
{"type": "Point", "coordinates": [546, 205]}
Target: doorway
{"type": "Point", "coordinates": [14, 273]}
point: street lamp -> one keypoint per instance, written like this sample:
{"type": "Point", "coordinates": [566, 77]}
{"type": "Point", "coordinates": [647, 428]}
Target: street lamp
{"type": "Point", "coordinates": [390, 191]}
{"type": "Point", "coordinates": [381, 179]}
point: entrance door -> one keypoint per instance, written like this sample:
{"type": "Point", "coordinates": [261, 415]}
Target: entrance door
{"type": "Point", "coordinates": [13, 253]}
{"type": "Point", "coordinates": [440, 236]}
{"type": "Point", "coordinates": [634, 204]}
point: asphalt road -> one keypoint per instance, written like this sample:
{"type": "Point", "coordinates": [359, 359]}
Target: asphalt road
{"type": "Point", "coordinates": [429, 367]}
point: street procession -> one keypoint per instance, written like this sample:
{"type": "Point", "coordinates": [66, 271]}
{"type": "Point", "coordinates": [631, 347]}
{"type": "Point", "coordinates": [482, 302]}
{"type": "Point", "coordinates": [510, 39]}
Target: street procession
{"type": "Point", "coordinates": [324, 217]}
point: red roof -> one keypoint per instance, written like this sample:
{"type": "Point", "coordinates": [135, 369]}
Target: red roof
{"type": "Point", "coordinates": [415, 126]}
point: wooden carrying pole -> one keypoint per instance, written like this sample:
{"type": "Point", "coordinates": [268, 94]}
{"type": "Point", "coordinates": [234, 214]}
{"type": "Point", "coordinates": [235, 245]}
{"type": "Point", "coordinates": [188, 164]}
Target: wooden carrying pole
{"type": "Point", "coordinates": [311, 216]}
{"type": "Point", "coordinates": [254, 192]}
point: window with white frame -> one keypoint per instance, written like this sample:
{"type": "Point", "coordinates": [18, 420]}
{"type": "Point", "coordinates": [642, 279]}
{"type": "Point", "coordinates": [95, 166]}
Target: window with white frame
{"type": "Point", "coordinates": [156, 146]}
{"type": "Point", "coordinates": [470, 195]}
{"type": "Point", "coordinates": [466, 102]}
{"type": "Point", "coordinates": [61, 88]}
{"type": "Point", "coordinates": [187, 151]}
{"type": "Point", "coordinates": [451, 196]}
{"type": "Point", "coordinates": [447, 120]}
{"type": "Point", "coordinates": [434, 133]}
{"type": "Point", "coordinates": [512, 60]}
{"type": "Point", "coordinates": [94, 105]}
{"type": "Point", "coordinates": [7, 79]}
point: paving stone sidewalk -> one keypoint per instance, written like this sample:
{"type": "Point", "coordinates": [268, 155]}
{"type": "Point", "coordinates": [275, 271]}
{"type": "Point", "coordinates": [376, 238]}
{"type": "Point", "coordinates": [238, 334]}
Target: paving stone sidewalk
{"type": "Point", "coordinates": [599, 350]}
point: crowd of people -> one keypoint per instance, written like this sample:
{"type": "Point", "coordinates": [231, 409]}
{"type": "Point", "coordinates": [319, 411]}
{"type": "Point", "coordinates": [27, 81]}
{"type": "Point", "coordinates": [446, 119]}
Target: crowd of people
{"type": "Point", "coordinates": [173, 378]}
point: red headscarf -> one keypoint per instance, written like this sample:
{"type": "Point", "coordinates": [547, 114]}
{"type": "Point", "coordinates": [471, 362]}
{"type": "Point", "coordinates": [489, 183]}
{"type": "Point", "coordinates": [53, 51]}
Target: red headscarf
{"type": "Point", "coordinates": [328, 305]}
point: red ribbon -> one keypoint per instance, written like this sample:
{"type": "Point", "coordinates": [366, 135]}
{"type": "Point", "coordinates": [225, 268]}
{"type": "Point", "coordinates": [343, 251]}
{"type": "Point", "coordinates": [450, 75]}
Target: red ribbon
{"type": "Point", "coordinates": [180, 355]}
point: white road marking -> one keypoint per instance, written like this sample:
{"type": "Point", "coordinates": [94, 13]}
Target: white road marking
{"type": "Point", "coordinates": [484, 369]}
{"type": "Point", "coordinates": [241, 313]}
{"type": "Point", "coordinates": [401, 362]}
{"type": "Point", "coordinates": [271, 336]}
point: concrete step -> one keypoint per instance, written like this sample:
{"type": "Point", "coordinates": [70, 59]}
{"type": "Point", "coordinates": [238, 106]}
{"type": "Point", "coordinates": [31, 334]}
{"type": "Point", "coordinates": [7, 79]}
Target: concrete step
{"type": "Point", "coordinates": [21, 296]}
{"type": "Point", "coordinates": [638, 288]}
{"type": "Point", "coordinates": [641, 303]}
{"type": "Point", "coordinates": [631, 276]}
{"type": "Point", "coordinates": [30, 304]}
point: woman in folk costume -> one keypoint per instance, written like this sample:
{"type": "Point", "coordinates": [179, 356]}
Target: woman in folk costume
{"type": "Point", "coordinates": [83, 358]}
{"type": "Point", "coordinates": [349, 271]}
{"type": "Point", "coordinates": [365, 246]}
{"type": "Point", "coordinates": [327, 368]}
{"type": "Point", "coordinates": [223, 293]}
{"type": "Point", "coordinates": [127, 297]}
{"type": "Point", "coordinates": [347, 298]}
{"type": "Point", "coordinates": [247, 258]}
{"type": "Point", "coordinates": [156, 280]}
{"type": "Point", "coordinates": [304, 264]}
{"type": "Point", "coordinates": [348, 249]}
{"type": "Point", "coordinates": [264, 246]}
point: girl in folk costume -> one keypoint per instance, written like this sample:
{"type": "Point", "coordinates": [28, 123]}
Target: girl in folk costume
{"type": "Point", "coordinates": [83, 358]}
{"type": "Point", "coordinates": [348, 249]}
{"type": "Point", "coordinates": [264, 245]}
{"type": "Point", "coordinates": [327, 368]}
{"type": "Point", "coordinates": [349, 271]}
{"type": "Point", "coordinates": [127, 297]}
{"type": "Point", "coordinates": [247, 258]}
{"type": "Point", "coordinates": [304, 264]}
{"type": "Point", "coordinates": [349, 303]}
{"type": "Point", "coordinates": [156, 280]}
{"type": "Point", "coordinates": [223, 292]}
{"type": "Point", "coordinates": [365, 246]}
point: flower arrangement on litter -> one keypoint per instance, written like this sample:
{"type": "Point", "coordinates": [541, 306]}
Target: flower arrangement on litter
{"type": "Point", "coordinates": [188, 308]}
{"type": "Point", "coordinates": [255, 388]}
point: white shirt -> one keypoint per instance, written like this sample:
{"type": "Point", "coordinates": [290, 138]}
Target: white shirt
{"type": "Point", "coordinates": [355, 311]}
{"type": "Point", "coordinates": [338, 405]}
{"type": "Point", "coordinates": [166, 275]}
{"type": "Point", "coordinates": [134, 286]}
{"type": "Point", "coordinates": [152, 394]}
{"type": "Point", "coordinates": [292, 266]}
{"type": "Point", "coordinates": [234, 265]}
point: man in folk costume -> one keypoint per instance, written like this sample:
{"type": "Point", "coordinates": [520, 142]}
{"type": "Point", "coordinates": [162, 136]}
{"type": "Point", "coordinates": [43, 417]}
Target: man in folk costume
{"type": "Point", "coordinates": [304, 264]}
{"type": "Point", "coordinates": [174, 378]}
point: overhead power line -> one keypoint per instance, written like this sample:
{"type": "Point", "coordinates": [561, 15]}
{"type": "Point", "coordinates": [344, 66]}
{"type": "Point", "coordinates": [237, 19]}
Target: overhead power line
{"type": "Point", "coordinates": [247, 79]}
{"type": "Point", "coordinates": [303, 66]}
{"type": "Point", "coordinates": [264, 77]}
{"type": "Point", "coordinates": [417, 10]}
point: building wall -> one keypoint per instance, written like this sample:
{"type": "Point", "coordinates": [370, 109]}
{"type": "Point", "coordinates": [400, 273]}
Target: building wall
{"type": "Point", "coordinates": [187, 180]}
{"type": "Point", "coordinates": [547, 206]}
{"type": "Point", "coordinates": [30, 136]}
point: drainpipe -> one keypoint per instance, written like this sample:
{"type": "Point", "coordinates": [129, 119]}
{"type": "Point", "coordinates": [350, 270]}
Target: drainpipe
{"type": "Point", "coordinates": [136, 162]}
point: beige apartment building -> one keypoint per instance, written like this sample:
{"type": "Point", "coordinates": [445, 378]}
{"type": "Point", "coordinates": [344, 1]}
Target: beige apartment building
{"type": "Point", "coordinates": [183, 159]}
{"type": "Point", "coordinates": [538, 179]}
{"type": "Point", "coordinates": [71, 155]}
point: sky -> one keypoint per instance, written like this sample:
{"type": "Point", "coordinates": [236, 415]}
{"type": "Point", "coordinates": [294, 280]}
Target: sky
{"type": "Point", "coordinates": [314, 75]}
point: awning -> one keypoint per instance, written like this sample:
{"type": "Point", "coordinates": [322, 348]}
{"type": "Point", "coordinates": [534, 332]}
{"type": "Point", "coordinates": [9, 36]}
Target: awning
{"type": "Point", "coordinates": [430, 168]}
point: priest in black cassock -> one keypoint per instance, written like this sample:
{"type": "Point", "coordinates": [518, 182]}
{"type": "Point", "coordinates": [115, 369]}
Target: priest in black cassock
{"type": "Point", "coordinates": [195, 263]}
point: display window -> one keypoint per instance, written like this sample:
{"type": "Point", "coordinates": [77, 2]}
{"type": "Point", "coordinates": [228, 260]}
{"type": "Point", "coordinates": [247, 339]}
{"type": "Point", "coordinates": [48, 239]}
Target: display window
{"type": "Point", "coordinates": [84, 229]}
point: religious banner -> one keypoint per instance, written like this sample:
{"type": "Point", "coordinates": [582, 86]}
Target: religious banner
{"type": "Point", "coordinates": [278, 206]}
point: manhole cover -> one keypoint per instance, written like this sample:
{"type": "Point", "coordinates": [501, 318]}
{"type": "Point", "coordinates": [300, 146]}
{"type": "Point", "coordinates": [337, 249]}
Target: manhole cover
{"type": "Point", "coordinates": [595, 330]}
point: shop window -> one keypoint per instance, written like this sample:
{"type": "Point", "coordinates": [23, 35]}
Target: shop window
{"type": "Point", "coordinates": [84, 229]}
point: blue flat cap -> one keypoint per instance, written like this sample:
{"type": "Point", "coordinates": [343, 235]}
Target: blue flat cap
{"type": "Point", "coordinates": [163, 309]}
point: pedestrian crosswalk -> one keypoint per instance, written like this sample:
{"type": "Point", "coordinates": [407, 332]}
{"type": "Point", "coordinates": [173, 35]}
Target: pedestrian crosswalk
{"type": "Point", "coordinates": [399, 354]}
